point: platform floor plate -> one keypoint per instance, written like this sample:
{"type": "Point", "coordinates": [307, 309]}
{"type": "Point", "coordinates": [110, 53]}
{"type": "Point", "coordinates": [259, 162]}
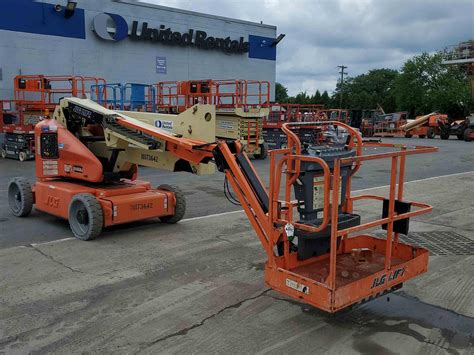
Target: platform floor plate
{"type": "Point", "coordinates": [347, 269]}
{"type": "Point", "coordinates": [441, 243]}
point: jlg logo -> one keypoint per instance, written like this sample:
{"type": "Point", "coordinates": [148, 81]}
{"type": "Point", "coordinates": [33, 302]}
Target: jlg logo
{"type": "Point", "coordinates": [52, 201]}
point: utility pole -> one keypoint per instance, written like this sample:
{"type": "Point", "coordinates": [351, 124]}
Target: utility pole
{"type": "Point", "coordinates": [342, 72]}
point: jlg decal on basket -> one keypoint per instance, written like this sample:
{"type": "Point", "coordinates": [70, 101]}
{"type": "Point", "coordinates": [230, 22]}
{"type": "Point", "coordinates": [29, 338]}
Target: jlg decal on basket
{"type": "Point", "coordinates": [393, 275]}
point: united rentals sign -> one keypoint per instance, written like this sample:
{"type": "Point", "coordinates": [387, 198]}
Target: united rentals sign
{"type": "Point", "coordinates": [163, 35]}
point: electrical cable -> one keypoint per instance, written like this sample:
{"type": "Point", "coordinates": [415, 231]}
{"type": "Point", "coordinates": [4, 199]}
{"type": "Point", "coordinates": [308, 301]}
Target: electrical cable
{"type": "Point", "coordinates": [228, 194]}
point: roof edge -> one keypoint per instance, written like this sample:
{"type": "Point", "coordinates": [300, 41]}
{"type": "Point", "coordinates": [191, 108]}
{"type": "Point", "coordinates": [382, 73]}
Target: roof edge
{"type": "Point", "coordinates": [188, 12]}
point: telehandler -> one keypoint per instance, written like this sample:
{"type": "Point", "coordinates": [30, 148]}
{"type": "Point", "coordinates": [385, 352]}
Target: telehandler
{"type": "Point", "coordinates": [317, 251]}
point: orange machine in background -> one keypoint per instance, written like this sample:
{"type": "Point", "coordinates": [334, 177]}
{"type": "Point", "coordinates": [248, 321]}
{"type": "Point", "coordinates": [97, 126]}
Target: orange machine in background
{"type": "Point", "coordinates": [428, 126]}
{"type": "Point", "coordinates": [284, 113]}
{"type": "Point", "coordinates": [35, 96]}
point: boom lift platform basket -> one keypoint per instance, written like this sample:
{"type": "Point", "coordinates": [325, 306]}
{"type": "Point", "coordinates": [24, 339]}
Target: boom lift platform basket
{"type": "Point", "coordinates": [341, 267]}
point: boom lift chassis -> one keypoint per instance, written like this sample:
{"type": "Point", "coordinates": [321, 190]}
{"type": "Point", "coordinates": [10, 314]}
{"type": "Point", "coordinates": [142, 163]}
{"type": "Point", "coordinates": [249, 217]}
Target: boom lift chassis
{"type": "Point", "coordinates": [352, 267]}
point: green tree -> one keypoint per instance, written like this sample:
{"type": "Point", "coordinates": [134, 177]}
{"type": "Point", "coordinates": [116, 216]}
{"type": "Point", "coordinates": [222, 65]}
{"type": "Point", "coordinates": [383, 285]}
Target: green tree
{"type": "Point", "coordinates": [301, 98]}
{"type": "Point", "coordinates": [368, 90]}
{"type": "Point", "coordinates": [281, 93]}
{"type": "Point", "coordinates": [425, 85]}
{"type": "Point", "coordinates": [316, 98]}
{"type": "Point", "coordinates": [325, 99]}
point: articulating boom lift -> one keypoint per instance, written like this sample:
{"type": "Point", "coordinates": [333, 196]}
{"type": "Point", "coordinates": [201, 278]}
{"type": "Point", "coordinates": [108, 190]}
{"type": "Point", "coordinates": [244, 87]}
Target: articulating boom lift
{"type": "Point", "coordinates": [87, 167]}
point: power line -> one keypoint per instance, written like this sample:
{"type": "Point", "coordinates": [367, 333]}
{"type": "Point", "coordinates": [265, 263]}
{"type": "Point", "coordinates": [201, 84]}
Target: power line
{"type": "Point", "coordinates": [342, 72]}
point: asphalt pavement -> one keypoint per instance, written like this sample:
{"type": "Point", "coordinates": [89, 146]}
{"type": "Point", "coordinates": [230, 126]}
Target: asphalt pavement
{"type": "Point", "coordinates": [204, 194]}
{"type": "Point", "coordinates": [198, 287]}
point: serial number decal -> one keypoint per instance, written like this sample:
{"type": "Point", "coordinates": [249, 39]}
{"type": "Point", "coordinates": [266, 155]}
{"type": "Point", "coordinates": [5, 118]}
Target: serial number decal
{"type": "Point", "coordinates": [149, 157]}
{"type": "Point", "coordinates": [141, 206]}
{"type": "Point", "coordinates": [393, 275]}
{"type": "Point", "coordinates": [297, 286]}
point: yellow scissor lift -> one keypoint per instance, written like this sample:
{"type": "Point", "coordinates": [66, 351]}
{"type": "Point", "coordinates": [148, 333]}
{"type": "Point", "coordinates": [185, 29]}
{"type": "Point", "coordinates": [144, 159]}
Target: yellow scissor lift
{"type": "Point", "coordinates": [241, 106]}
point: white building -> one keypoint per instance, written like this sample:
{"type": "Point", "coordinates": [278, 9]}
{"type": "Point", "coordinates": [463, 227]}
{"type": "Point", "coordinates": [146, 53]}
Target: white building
{"type": "Point", "coordinates": [127, 41]}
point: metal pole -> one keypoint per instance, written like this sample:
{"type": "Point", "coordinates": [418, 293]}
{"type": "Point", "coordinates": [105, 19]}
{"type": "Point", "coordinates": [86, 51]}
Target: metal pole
{"type": "Point", "coordinates": [342, 67]}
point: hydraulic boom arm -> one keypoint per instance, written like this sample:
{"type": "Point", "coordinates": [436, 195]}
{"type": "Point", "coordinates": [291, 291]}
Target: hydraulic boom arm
{"type": "Point", "coordinates": [122, 141]}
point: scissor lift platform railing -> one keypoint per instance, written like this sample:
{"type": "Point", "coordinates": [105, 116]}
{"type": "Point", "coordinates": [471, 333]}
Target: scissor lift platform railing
{"type": "Point", "coordinates": [41, 92]}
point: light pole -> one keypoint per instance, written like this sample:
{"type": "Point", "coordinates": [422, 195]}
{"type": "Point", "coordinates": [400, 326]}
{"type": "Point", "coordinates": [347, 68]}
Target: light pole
{"type": "Point", "coordinates": [342, 67]}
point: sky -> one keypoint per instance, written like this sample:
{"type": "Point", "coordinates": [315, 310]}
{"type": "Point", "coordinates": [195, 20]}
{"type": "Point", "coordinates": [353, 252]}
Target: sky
{"type": "Point", "coordinates": [360, 34]}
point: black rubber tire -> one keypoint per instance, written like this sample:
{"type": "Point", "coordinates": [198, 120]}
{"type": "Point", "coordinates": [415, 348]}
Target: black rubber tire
{"type": "Point", "coordinates": [20, 197]}
{"type": "Point", "coordinates": [422, 136]}
{"type": "Point", "coordinates": [22, 156]}
{"type": "Point", "coordinates": [91, 227]}
{"type": "Point", "coordinates": [283, 145]}
{"type": "Point", "coordinates": [467, 133]}
{"type": "Point", "coordinates": [444, 135]}
{"type": "Point", "coordinates": [460, 136]}
{"type": "Point", "coordinates": [408, 135]}
{"type": "Point", "coordinates": [179, 208]}
{"type": "Point", "coordinates": [431, 133]}
{"type": "Point", "coordinates": [263, 152]}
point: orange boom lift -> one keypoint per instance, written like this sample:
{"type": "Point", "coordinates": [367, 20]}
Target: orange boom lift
{"type": "Point", "coordinates": [323, 257]}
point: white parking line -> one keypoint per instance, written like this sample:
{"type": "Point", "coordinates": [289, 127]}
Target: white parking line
{"type": "Point", "coordinates": [210, 216]}
{"type": "Point", "coordinates": [241, 211]}
{"type": "Point", "coordinates": [53, 241]}
{"type": "Point", "coordinates": [419, 180]}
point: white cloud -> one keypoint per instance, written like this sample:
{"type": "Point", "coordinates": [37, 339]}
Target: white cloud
{"type": "Point", "coordinates": [362, 34]}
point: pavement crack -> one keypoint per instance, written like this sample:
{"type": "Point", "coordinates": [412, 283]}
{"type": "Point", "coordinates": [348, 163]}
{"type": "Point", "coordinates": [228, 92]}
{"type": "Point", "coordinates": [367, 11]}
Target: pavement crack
{"type": "Point", "coordinates": [219, 237]}
{"type": "Point", "coordinates": [447, 348]}
{"type": "Point", "coordinates": [293, 302]}
{"type": "Point", "coordinates": [54, 260]}
{"type": "Point", "coordinates": [184, 331]}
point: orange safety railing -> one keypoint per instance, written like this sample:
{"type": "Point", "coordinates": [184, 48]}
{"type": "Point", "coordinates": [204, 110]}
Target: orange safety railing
{"type": "Point", "coordinates": [282, 113]}
{"type": "Point", "coordinates": [391, 127]}
{"type": "Point", "coordinates": [336, 115]}
{"type": "Point", "coordinates": [177, 96]}
{"type": "Point", "coordinates": [281, 211]}
{"type": "Point", "coordinates": [40, 92]}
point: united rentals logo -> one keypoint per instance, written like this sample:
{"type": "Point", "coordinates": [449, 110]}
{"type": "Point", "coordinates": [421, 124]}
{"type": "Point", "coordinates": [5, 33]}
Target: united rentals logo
{"type": "Point", "coordinates": [163, 35]}
{"type": "Point", "coordinates": [100, 26]}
